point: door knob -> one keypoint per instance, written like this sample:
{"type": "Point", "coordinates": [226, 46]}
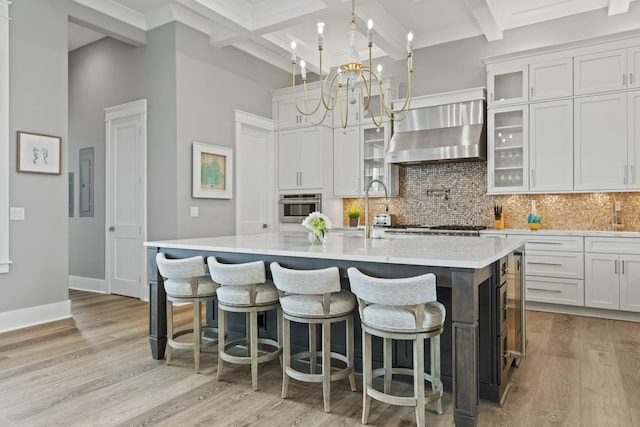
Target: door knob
{"type": "Point", "coordinates": [264, 225]}
{"type": "Point", "coordinates": [112, 228]}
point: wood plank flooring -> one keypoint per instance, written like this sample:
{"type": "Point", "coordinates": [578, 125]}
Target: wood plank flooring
{"type": "Point", "coordinates": [96, 370]}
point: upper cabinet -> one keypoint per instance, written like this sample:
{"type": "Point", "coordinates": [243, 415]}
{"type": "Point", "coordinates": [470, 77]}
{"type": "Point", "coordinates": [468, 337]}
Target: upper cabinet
{"type": "Point", "coordinates": [507, 147]}
{"type": "Point", "coordinates": [507, 85]}
{"type": "Point", "coordinates": [551, 79]}
{"type": "Point", "coordinates": [300, 158]}
{"type": "Point", "coordinates": [633, 66]}
{"type": "Point", "coordinates": [290, 117]}
{"type": "Point", "coordinates": [600, 72]}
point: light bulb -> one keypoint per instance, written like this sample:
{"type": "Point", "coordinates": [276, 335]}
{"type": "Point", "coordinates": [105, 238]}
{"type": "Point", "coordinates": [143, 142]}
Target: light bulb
{"type": "Point", "coordinates": [303, 70]}
{"type": "Point", "coordinates": [293, 51]}
{"type": "Point", "coordinates": [379, 68]}
{"type": "Point", "coordinates": [410, 42]}
{"type": "Point", "coordinates": [370, 30]}
{"type": "Point", "coordinates": [320, 37]}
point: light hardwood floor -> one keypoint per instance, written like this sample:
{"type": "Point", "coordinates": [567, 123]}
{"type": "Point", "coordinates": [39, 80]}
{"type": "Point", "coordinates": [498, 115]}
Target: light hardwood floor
{"type": "Point", "coordinates": [96, 370]}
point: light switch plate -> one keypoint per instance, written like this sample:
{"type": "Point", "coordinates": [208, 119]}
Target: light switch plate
{"type": "Point", "coordinates": [194, 211]}
{"type": "Point", "coordinates": [617, 207]}
{"type": "Point", "coordinates": [16, 214]}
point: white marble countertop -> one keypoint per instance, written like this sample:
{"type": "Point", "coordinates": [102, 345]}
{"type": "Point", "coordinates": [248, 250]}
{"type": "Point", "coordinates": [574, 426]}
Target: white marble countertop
{"type": "Point", "coordinates": [438, 251]}
{"type": "Point", "coordinates": [580, 233]}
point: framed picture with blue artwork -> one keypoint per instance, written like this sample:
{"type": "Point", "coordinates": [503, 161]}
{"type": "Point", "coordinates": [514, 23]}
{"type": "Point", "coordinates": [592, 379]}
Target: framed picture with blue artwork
{"type": "Point", "coordinates": [38, 153]}
{"type": "Point", "coordinates": [212, 171]}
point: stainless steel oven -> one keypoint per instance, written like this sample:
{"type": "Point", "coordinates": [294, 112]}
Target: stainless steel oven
{"type": "Point", "coordinates": [295, 207]}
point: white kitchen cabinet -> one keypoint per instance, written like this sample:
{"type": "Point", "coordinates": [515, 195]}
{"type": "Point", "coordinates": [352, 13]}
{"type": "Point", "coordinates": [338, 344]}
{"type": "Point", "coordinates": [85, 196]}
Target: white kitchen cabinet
{"type": "Point", "coordinates": [551, 79]}
{"type": "Point", "coordinates": [290, 117]}
{"type": "Point", "coordinates": [633, 139]}
{"type": "Point", "coordinates": [551, 146]}
{"type": "Point", "coordinates": [347, 113]}
{"type": "Point", "coordinates": [612, 274]}
{"type": "Point", "coordinates": [300, 158]}
{"type": "Point", "coordinates": [361, 110]}
{"type": "Point", "coordinates": [600, 72]}
{"type": "Point", "coordinates": [507, 84]}
{"type": "Point", "coordinates": [633, 66]}
{"type": "Point", "coordinates": [507, 149]}
{"type": "Point", "coordinates": [347, 163]}
{"type": "Point", "coordinates": [600, 151]}
{"type": "Point", "coordinates": [374, 144]}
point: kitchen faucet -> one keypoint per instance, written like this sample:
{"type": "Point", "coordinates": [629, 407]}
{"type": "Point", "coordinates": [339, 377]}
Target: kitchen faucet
{"type": "Point", "coordinates": [367, 232]}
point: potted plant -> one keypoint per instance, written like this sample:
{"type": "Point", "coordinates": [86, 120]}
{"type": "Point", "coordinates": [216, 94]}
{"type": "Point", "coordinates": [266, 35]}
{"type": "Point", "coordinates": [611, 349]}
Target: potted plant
{"type": "Point", "coordinates": [354, 213]}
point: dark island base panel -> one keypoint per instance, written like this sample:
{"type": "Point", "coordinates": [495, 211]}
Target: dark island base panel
{"type": "Point", "coordinates": [488, 373]}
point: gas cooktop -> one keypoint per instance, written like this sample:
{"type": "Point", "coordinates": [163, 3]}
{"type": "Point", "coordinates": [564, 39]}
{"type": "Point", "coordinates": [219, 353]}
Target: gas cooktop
{"type": "Point", "coordinates": [465, 230]}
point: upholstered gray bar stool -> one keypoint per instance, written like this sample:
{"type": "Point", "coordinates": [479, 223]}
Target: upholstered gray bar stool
{"type": "Point", "coordinates": [185, 281]}
{"type": "Point", "coordinates": [400, 309]}
{"type": "Point", "coordinates": [244, 289]}
{"type": "Point", "coordinates": [314, 297]}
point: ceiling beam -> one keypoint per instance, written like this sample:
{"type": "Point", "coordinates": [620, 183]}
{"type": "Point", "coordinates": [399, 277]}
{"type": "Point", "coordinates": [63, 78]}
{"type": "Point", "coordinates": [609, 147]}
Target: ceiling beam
{"type": "Point", "coordinates": [484, 15]}
{"type": "Point", "coordinates": [99, 21]}
{"type": "Point", "coordinates": [618, 6]}
{"type": "Point", "coordinates": [389, 35]}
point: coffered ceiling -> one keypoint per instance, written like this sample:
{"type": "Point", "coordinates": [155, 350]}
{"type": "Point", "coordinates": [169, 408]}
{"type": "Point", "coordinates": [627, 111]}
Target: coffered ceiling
{"type": "Point", "coordinates": [265, 28]}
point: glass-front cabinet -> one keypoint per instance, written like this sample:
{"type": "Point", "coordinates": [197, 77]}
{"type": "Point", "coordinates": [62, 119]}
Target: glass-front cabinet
{"type": "Point", "coordinates": [373, 148]}
{"type": "Point", "coordinates": [508, 85]}
{"type": "Point", "coordinates": [508, 149]}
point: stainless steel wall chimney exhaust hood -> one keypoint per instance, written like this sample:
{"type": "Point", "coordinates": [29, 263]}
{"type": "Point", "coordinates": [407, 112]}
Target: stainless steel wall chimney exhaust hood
{"type": "Point", "coordinates": [445, 127]}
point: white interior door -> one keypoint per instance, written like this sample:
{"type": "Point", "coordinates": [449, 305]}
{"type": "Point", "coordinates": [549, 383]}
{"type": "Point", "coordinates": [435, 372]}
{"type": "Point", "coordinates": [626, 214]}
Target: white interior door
{"type": "Point", "coordinates": [126, 198]}
{"type": "Point", "coordinates": [255, 206]}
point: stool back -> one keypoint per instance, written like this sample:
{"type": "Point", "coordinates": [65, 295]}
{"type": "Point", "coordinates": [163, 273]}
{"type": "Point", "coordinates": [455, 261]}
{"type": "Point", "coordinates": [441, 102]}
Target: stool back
{"type": "Point", "coordinates": [310, 282]}
{"type": "Point", "coordinates": [409, 291]}
{"type": "Point", "coordinates": [249, 273]}
{"type": "Point", "coordinates": [181, 273]}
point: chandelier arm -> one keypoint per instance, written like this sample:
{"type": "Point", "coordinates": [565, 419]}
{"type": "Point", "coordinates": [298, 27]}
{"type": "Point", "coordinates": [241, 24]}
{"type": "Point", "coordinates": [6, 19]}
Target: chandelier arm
{"type": "Point", "coordinates": [407, 100]}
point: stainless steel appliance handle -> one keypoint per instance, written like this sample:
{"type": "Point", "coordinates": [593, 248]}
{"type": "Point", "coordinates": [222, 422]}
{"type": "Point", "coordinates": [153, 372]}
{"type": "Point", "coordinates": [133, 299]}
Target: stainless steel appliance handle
{"type": "Point", "coordinates": [545, 263]}
{"type": "Point", "coordinates": [297, 201]}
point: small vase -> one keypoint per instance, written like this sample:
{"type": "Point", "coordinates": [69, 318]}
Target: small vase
{"type": "Point", "coordinates": [353, 222]}
{"type": "Point", "coordinates": [317, 238]}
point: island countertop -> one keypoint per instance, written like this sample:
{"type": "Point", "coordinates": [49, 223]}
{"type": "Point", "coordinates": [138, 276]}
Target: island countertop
{"type": "Point", "coordinates": [442, 251]}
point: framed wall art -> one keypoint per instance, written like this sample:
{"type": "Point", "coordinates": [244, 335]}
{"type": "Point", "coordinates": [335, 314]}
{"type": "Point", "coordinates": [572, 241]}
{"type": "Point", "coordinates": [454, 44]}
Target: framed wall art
{"type": "Point", "coordinates": [212, 171]}
{"type": "Point", "coordinates": [39, 153]}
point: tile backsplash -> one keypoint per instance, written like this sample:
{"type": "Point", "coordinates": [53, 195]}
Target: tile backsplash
{"type": "Point", "coordinates": [456, 193]}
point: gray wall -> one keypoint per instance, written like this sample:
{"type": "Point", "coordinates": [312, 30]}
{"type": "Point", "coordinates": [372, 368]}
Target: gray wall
{"type": "Point", "coordinates": [192, 89]}
{"type": "Point", "coordinates": [38, 103]}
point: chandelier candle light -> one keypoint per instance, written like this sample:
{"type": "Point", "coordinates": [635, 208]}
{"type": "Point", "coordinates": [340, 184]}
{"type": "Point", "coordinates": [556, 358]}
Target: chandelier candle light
{"type": "Point", "coordinates": [348, 77]}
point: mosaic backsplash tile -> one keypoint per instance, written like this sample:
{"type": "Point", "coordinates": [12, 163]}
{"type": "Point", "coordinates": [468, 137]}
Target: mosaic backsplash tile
{"type": "Point", "coordinates": [456, 193]}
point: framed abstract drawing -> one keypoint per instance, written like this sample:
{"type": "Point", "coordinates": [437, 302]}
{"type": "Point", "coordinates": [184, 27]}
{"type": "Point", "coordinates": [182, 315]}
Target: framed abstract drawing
{"type": "Point", "coordinates": [212, 171]}
{"type": "Point", "coordinates": [39, 153]}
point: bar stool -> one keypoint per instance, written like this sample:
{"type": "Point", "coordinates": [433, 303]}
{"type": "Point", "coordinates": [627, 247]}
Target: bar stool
{"type": "Point", "coordinates": [185, 281]}
{"type": "Point", "coordinates": [244, 289]}
{"type": "Point", "coordinates": [400, 309]}
{"type": "Point", "coordinates": [314, 297]}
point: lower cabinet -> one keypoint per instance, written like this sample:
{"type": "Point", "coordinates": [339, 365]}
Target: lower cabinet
{"type": "Point", "coordinates": [612, 275]}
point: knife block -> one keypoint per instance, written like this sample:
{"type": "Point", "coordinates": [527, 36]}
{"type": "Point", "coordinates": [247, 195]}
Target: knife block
{"type": "Point", "coordinates": [498, 224]}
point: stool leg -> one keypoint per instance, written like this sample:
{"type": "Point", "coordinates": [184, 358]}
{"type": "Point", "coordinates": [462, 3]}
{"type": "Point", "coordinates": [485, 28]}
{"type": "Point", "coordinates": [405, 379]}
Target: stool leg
{"type": "Point", "coordinates": [253, 338]}
{"type": "Point", "coordinates": [366, 375]}
{"type": "Point", "coordinates": [247, 333]}
{"type": "Point", "coordinates": [197, 332]}
{"type": "Point", "coordinates": [169, 330]}
{"type": "Point", "coordinates": [350, 352]}
{"type": "Point", "coordinates": [435, 370]}
{"type": "Point", "coordinates": [326, 365]}
{"type": "Point", "coordinates": [388, 363]}
{"type": "Point", "coordinates": [313, 357]}
{"type": "Point", "coordinates": [222, 338]}
{"type": "Point", "coordinates": [280, 332]}
{"type": "Point", "coordinates": [286, 355]}
{"type": "Point", "coordinates": [418, 380]}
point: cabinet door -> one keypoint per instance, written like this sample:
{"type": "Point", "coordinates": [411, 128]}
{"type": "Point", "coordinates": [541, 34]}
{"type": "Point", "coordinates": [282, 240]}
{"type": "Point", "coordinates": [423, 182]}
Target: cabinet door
{"type": "Point", "coordinates": [551, 146]}
{"type": "Point", "coordinates": [601, 284]}
{"type": "Point", "coordinates": [600, 130]}
{"type": "Point", "coordinates": [633, 67]}
{"type": "Point", "coordinates": [347, 111]}
{"type": "Point", "coordinates": [600, 72]}
{"type": "Point", "coordinates": [507, 146]}
{"type": "Point", "coordinates": [288, 176]}
{"type": "Point", "coordinates": [508, 85]}
{"type": "Point", "coordinates": [552, 79]}
{"type": "Point", "coordinates": [633, 139]}
{"type": "Point", "coordinates": [310, 157]}
{"type": "Point", "coordinates": [346, 162]}
{"type": "Point", "coordinates": [630, 283]}
{"type": "Point", "coordinates": [290, 117]}
{"type": "Point", "coordinates": [374, 144]}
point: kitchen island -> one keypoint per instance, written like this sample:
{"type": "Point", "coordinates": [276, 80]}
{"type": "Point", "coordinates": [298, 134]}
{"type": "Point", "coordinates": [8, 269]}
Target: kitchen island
{"type": "Point", "coordinates": [463, 266]}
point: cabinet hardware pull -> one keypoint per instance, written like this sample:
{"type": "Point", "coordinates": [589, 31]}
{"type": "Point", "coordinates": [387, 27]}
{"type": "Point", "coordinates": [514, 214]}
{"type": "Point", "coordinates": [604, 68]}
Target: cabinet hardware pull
{"type": "Point", "coordinates": [624, 79]}
{"type": "Point", "coordinates": [615, 268]}
{"type": "Point", "coordinates": [533, 177]}
{"type": "Point", "coordinates": [532, 91]}
{"type": "Point", "coordinates": [300, 178]}
{"type": "Point", "coordinates": [545, 290]}
{"type": "Point", "coordinates": [624, 169]}
{"type": "Point", "coordinates": [623, 267]}
{"type": "Point", "coordinates": [545, 263]}
{"type": "Point", "coordinates": [544, 243]}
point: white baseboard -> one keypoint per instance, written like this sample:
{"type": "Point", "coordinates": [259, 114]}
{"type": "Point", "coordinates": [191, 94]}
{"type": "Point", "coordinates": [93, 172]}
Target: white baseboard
{"type": "Point", "coordinates": [584, 311]}
{"type": "Point", "coordinates": [17, 319]}
{"type": "Point", "coordinates": [88, 284]}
